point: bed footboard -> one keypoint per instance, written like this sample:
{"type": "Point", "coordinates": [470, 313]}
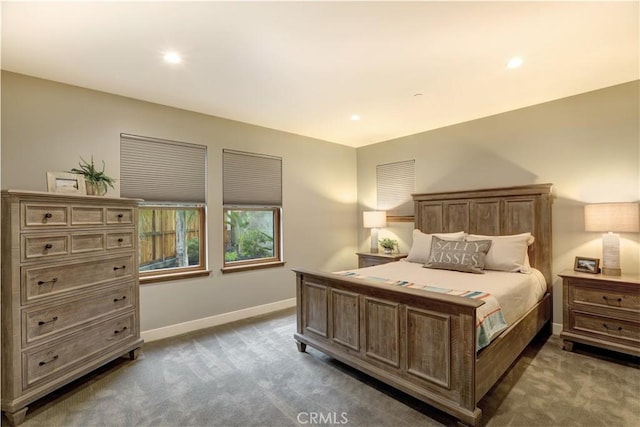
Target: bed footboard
{"type": "Point", "coordinates": [419, 342]}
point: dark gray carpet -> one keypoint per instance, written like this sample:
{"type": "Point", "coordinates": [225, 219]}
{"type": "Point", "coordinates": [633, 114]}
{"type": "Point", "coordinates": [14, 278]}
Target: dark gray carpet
{"type": "Point", "coordinates": [250, 373]}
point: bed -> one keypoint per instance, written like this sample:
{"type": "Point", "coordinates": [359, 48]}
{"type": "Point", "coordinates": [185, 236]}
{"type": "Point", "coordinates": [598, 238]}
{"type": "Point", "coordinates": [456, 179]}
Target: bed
{"type": "Point", "coordinates": [426, 343]}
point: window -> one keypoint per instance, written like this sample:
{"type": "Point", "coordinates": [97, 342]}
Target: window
{"type": "Point", "coordinates": [169, 239]}
{"type": "Point", "coordinates": [252, 198]}
{"type": "Point", "coordinates": [395, 183]}
{"type": "Point", "coordinates": [171, 179]}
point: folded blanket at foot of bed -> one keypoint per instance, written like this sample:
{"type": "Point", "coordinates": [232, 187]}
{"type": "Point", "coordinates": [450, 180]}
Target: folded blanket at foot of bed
{"type": "Point", "coordinates": [489, 318]}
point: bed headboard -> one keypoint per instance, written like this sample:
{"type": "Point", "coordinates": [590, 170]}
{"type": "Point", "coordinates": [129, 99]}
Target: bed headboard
{"type": "Point", "coordinates": [494, 211]}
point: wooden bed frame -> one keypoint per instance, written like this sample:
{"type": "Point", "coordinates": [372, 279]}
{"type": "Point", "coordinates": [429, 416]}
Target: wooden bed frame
{"type": "Point", "coordinates": [424, 343]}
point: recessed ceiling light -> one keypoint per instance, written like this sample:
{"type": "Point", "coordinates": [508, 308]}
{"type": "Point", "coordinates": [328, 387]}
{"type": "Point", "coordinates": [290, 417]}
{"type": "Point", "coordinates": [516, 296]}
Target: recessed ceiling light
{"type": "Point", "coordinates": [172, 58]}
{"type": "Point", "coordinates": [515, 62]}
{"type": "Point", "coordinates": [355, 117]}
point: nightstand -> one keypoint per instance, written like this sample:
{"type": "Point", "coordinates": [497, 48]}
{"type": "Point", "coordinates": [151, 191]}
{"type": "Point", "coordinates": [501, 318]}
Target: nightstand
{"type": "Point", "coordinates": [368, 259]}
{"type": "Point", "coordinates": [602, 311]}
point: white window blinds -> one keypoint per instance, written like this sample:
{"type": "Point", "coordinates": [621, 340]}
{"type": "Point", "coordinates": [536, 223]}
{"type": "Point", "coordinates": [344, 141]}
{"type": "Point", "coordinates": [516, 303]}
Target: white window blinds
{"type": "Point", "coordinates": [251, 179]}
{"type": "Point", "coordinates": [158, 170]}
{"type": "Point", "coordinates": [395, 182]}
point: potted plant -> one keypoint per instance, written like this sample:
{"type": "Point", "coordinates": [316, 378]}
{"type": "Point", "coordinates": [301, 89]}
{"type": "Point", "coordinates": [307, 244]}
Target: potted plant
{"type": "Point", "coordinates": [388, 245]}
{"type": "Point", "coordinates": [95, 179]}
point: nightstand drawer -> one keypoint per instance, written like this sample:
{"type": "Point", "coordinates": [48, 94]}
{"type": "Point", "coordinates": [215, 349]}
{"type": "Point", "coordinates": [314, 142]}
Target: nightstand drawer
{"type": "Point", "coordinates": [603, 297]}
{"type": "Point", "coordinates": [611, 329]}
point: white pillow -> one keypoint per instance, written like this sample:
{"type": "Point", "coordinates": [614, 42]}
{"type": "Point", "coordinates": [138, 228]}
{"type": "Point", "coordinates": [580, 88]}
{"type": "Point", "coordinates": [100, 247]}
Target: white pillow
{"type": "Point", "coordinates": [421, 247]}
{"type": "Point", "coordinates": [507, 253]}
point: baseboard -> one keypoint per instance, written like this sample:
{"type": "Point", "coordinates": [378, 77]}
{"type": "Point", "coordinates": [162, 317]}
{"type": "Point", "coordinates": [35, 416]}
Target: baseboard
{"type": "Point", "coordinates": [556, 328]}
{"type": "Point", "coordinates": [220, 319]}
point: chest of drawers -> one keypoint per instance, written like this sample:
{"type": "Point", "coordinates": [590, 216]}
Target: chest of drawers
{"type": "Point", "coordinates": [602, 311]}
{"type": "Point", "coordinates": [69, 291]}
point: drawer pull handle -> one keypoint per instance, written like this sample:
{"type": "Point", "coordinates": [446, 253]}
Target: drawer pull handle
{"type": "Point", "coordinates": [120, 240]}
{"type": "Point", "coordinates": [604, 297]}
{"type": "Point", "coordinates": [48, 215]}
{"type": "Point", "coordinates": [40, 323]}
{"type": "Point", "coordinates": [53, 359]}
{"type": "Point", "coordinates": [119, 268]}
{"type": "Point", "coordinates": [120, 215]}
{"type": "Point", "coordinates": [48, 246]}
{"type": "Point", "coordinates": [120, 299]}
{"type": "Point", "coordinates": [116, 332]}
{"type": "Point", "coordinates": [52, 281]}
{"type": "Point", "coordinates": [619, 328]}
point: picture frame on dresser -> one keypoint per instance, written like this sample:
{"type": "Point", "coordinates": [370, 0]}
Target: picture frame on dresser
{"type": "Point", "coordinates": [587, 265]}
{"type": "Point", "coordinates": [65, 182]}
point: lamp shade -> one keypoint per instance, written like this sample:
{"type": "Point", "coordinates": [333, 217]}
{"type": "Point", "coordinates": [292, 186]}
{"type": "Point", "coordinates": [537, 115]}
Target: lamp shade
{"type": "Point", "coordinates": [612, 217]}
{"type": "Point", "coordinates": [374, 219]}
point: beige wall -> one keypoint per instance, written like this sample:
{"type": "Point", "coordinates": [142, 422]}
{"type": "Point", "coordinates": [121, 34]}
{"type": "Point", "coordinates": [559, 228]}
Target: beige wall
{"type": "Point", "coordinates": [587, 146]}
{"type": "Point", "coordinates": [46, 126]}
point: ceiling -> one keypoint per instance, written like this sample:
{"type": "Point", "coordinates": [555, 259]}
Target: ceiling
{"type": "Point", "coordinates": [307, 67]}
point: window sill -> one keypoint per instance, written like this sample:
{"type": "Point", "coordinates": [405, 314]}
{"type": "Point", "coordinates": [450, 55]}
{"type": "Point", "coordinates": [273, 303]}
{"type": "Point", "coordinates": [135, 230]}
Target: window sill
{"type": "Point", "coordinates": [248, 267]}
{"type": "Point", "coordinates": [174, 276]}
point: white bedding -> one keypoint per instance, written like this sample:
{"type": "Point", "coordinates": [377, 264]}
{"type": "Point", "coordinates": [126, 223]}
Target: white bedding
{"type": "Point", "coordinates": [516, 292]}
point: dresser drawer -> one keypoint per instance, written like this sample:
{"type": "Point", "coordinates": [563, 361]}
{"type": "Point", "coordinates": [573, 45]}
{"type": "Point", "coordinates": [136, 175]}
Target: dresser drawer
{"type": "Point", "coordinates": [35, 215]}
{"type": "Point", "coordinates": [87, 242]}
{"type": "Point", "coordinates": [120, 216]}
{"type": "Point", "coordinates": [44, 245]}
{"type": "Point", "coordinates": [39, 323]}
{"type": "Point", "coordinates": [41, 364]}
{"type": "Point", "coordinates": [42, 282]}
{"type": "Point", "coordinates": [606, 327]}
{"type": "Point", "coordinates": [87, 215]}
{"type": "Point", "coordinates": [121, 239]}
{"type": "Point", "coordinates": [605, 296]}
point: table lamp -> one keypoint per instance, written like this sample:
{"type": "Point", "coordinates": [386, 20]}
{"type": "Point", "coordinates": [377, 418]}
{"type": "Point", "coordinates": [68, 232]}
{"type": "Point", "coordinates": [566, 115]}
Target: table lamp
{"type": "Point", "coordinates": [374, 220]}
{"type": "Point", "coordinates": [612, 218]}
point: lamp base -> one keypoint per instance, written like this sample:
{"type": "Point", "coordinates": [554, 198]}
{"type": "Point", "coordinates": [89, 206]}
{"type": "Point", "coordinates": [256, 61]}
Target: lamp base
{"type": "Point", "coordinates": [611, 271]}
{"type": "Point", "coordinates": [611, 254]}
{"type": "Point", "coordinates": [374, 241]}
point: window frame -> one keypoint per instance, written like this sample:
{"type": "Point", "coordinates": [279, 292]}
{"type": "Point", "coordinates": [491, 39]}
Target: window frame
{"type": "Point", "coordinates": [175, 273]}
{"type": "Point", "coordinates": [244, 265]}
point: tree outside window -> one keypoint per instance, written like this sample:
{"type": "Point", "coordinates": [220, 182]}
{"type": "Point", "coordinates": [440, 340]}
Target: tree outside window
{"type": "Point", "coordinates": [170, 239]}
{"type": "Point", "coordinates": [252, 235]}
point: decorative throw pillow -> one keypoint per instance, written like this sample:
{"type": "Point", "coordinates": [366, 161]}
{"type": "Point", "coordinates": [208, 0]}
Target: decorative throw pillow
{"type": "Point", "coordinates": [460, 256]}
{"type": "Point", "coordinates": [507, 253]}
{"type": "Point", "coordinates": [421, 247]}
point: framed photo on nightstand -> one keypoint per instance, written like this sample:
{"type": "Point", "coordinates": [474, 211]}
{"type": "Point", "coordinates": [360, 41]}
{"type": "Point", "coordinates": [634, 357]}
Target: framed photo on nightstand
{"type": "Point", "coordinates": [587, 265]}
